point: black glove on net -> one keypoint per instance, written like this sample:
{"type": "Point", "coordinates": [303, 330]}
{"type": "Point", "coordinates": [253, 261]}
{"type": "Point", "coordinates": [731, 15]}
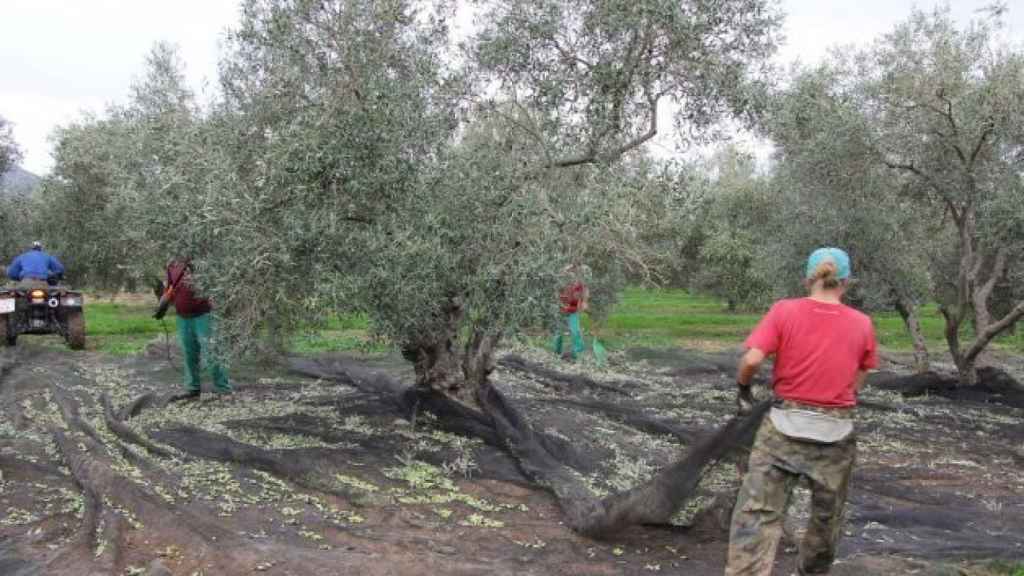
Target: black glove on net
{"type": "Point", "coordinates": [744, 399]}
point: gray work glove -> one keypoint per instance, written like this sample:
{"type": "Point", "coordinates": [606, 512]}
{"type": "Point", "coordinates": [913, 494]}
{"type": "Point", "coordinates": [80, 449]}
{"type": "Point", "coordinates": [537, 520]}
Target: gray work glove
{"type": "Point", "coordinates": [744, 399]}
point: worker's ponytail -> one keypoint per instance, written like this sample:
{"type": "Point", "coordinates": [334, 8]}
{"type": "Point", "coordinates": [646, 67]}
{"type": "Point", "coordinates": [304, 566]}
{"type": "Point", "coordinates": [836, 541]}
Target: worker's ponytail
{"type": "Point", "coordinates": [828, 273]}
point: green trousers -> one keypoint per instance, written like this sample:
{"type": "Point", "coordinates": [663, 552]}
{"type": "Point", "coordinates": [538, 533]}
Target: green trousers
{"type": "Point", "coordinates": [195, 335]}
{"type": "Point", "coordinates": [573, 322]}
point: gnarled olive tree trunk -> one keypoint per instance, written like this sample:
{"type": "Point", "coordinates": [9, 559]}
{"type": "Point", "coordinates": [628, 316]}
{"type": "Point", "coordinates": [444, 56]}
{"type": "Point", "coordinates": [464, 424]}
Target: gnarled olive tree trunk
{"type": "Point", "coordinates": [974, 290]}
{"type": "Point", "coordinates": [908, 312]}
{"type": "Point", "coordinates": [447, 361]}
{"type": "Point", "coordinates": [457, 361]}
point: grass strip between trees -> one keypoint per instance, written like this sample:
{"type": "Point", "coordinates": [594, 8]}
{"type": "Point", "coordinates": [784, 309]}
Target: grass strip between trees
{"type": "Point", "coordinates": [642, 318]}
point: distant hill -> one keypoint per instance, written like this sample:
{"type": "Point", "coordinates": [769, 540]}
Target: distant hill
{"type": "Point", "coordinates": [19, 181]}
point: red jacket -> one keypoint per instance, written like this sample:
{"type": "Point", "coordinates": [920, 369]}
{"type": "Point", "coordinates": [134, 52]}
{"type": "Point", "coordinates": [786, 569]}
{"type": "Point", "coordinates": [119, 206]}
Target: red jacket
{"type": "Point", "coordinates": [186, 303]}
{"type": "Point", "coordinates": [571, 297]}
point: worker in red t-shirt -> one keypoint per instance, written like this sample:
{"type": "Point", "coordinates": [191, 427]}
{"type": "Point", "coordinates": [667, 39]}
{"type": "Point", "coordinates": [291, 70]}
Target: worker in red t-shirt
{"type": "Point", "coordinates": [573, 300]}
{"type": "Point", "coordinates": [823, 350]}
{"type": "Point", "coordinates": [195, 328]}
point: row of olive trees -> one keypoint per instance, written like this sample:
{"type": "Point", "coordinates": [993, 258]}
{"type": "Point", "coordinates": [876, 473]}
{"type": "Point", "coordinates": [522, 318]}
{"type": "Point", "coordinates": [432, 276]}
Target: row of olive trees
{"type": "Point", "coordinates": [909, 154]}
{"type": "Point", "coordinates": [17, 226]}
{"type": "Point", "coordinates": [17, 207]}
{"type": "Point", "coordinates": [10, 152]}
{"type": "Point", "coordinates": [916, 142]}
{"type": "Point", "coordinates": [358, 159]}
{"type": "Point", "coordinates": [440, 189]}
{"type": "Point", "coordinates": [448, 198]}
{"type": "Point", "coordinates": [111, 169]}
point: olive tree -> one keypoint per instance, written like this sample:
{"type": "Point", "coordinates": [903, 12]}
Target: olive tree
{"type": "Point", "coordinates": [733, 235]}
{"type": "Point", "coordinates": [829, 190]}
{"type": "Point", "coordinates": [78, 201]}
{"type": "Point", "coordinates": [18, 225]}
{"type": "Point", "coordinates": [441, 190]}
{"type": "Point", "coordinates": [360, 161]}
{"type": "Point", "coordinates": [373, 166]}
{"type": "Point", "coordinates": [943, 108]}
{"type": "Point", "coordinates": [931, 117]}
{"type": "Point", "coordinates": [16, 215]}
{"type": "Point", "coordinates": [10, 152]}
{"type": "Point", "coordinates": [127, 165]}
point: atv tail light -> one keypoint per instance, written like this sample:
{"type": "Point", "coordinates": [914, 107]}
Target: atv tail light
{"type": "Point", "coordinates": [37, 295]}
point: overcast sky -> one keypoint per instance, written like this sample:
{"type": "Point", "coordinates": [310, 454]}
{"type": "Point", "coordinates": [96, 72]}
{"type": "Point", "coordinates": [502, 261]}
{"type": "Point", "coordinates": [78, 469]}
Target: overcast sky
{"type": "Point", "coordinates": [61, 57]}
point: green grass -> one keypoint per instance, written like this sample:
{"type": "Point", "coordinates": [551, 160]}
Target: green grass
{"type": "Point", "coordinates": [126, 328]}
{"type": "Point", "coordinates": [115, 327]}
{"type": "Point", "coordinates": [344, 332]}
{"type": "Point", "coordinates": [122, 328]}
{"type": "Point", "coordinates": [643, 317]}
{"type": "Point", "coordinates": [999, 568]}
{"type": "Point", "coordinates": [348, 322]}
{"type": "Point", "coordinates": [893, 333]}
{"type": "Point", "coordinates": [331, 340]}
{"type": "Point", "coordinates": [660, 318]}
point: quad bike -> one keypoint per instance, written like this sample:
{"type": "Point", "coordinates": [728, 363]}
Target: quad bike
{"type": "Point", "coordinates": [42, 310]}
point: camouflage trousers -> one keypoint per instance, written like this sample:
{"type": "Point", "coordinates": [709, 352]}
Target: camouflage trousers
{"type": "Point", "coordinates": [776, 464]}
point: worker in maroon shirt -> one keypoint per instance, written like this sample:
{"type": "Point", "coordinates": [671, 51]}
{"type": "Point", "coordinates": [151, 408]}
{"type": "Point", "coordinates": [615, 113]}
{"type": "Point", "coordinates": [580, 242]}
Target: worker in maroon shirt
{"type": "Point", "coordinates": [573, 299]}
{"type": "Point", "coordinates": [195, 328]}
{"type": "Point", "coordinates": [823, 350]}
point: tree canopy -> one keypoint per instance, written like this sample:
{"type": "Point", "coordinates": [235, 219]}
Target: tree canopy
{"type": "Point", "coordinates": [10, 152]}
{"type": "Point", "coordinates": [361, 155]}
{"type": "Point", "coordinates": [916, 141]}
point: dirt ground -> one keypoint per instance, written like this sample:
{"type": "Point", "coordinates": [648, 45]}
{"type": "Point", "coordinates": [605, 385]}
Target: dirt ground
{"type": "Point", "coordinates": [102, 473]}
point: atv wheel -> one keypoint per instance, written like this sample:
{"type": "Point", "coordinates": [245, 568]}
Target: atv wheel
{"type": "Point", "coordinates": [76, 330]}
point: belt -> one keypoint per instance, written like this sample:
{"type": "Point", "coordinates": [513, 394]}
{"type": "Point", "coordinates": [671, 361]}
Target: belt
{"type": "Point", "coordinates": [835, 411]}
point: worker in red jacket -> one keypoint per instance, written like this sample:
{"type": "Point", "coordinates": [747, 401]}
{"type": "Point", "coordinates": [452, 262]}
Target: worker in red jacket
{"type": "Point", "coordinates": [195, 328]}
{"type": "Point", "coordinates": [573, 300]}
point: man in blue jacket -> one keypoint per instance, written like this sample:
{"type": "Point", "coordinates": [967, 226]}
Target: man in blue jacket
{"type": "Point", "coordinates": [35, 265]}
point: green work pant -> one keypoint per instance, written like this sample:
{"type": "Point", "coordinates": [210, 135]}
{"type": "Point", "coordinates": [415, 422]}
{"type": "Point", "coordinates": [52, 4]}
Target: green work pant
{"type": "Point", "coordinates": [573, 322]}
{"type": "Point", "coordinates": [195, 335]}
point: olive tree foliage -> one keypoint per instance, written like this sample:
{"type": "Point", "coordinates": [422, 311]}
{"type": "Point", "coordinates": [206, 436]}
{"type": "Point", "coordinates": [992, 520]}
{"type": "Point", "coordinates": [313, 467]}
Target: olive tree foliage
{"type": "Point", "coordinates": [78, 205]}
{"type": "Point", "coordinates": [946, 108]}
{"type": "Point", "coordinates": [368, 164]}
{"type": "Point", "coordinates": [940, 111]}
{"type": "Point", "coordinates": [10, 152]}
{"type": "Point", "coordinates": [15, 209]}
{"type": "Point", "coordinates": [708, 226]}
{"type": "Point", "coordinates": [18, 218]}
{"type": "Point", "coordinates": [124, 167]}
{"type": "Point", "coordinates": [579, 84]}
{"type": "Point", "coordinates": [830, 191]}
{"type": "Point", "coordinates": [332, 113]}
{"type": "Point", "coordinates": [166, 178]}
{"type": "Point", "coordinates": [587, 78]}
{"type": "Point", "coordinates": [668, 198]}
{"type": "Point", "coordinates": [733, 235]}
